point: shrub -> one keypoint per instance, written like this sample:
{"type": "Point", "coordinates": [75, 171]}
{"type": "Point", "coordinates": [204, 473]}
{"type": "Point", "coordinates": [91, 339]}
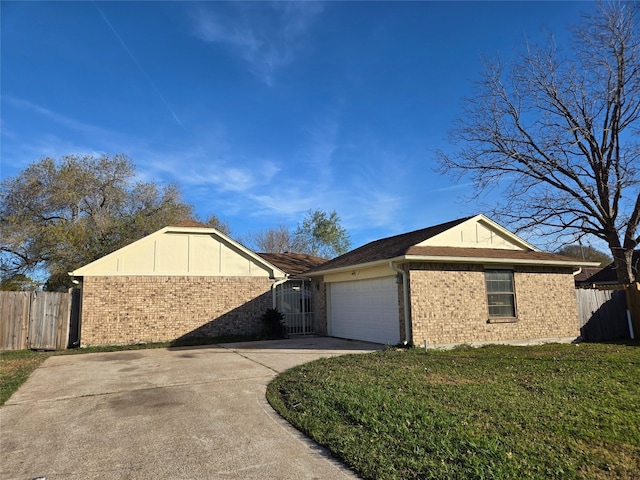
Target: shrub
{"type": "Point", "coordinates": [274, 326]}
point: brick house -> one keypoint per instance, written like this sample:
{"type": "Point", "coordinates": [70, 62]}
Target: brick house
{"type": "Point", "coordinates": [465, 281]}
{"type": "Point", "coordinates": [186, 280]}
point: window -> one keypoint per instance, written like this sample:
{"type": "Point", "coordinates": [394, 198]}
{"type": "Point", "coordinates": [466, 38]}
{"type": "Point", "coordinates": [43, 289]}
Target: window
{"type": "Point", "coordinates": [500, 294]}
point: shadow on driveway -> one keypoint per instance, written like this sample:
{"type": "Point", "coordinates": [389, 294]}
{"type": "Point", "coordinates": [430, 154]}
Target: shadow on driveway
{"type": "Point", "coordinates": [179, 413]}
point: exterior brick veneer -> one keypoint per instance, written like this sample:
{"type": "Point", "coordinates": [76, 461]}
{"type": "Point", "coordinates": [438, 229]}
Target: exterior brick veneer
{"type": "Point", "coordinates": [449, 305]}
{"type": "Point", "coordinates": [117, 310]}
{"type": "Point", "coordinates": [319, 306]}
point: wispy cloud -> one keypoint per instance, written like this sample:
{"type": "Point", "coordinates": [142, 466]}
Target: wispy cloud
{"type": "Point", "coordinates": [468, 186]}
{"type": "Point", "coordinates": [362, 180]}
{"type": "Point", "coordinates": [221, 174]}
{"type": "Point", "coordinates": [62, 120]}
{"type": "Point", "coordinates": [266, 35]}
{"type": "Point", "coordinates": [139, 65]}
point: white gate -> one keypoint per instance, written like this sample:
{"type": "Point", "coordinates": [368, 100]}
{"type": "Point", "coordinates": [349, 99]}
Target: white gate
{"type": "Point", "coordinates": [293, 300]}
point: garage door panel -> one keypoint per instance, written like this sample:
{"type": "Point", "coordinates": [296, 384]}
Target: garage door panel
{"type": "Point", "coordinates": [365, 310]}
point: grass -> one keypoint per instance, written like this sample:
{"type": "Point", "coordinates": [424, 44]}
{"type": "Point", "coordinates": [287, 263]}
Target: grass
{"type": "Point", "coordinates": [499, 412]}
{"type": "Point", "coordinates": [16, 366]}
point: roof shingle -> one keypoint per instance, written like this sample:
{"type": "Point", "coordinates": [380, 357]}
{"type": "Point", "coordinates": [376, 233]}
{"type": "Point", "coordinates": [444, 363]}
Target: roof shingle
{"type": "Point", "coordinates": [190, 224]}
{"type": "Point", "coordinates": [293, 263]}
{"type": "Point", "coordinates": [389, 247]}
{"type": "Point", "coordinates": [405, 245]}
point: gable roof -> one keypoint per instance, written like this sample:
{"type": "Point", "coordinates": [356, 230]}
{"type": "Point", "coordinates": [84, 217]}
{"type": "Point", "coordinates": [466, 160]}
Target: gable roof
{"type": "Point", "coordinates": [428, 244]}
{"type": "Point", "coordinates": [293, 264]}
{"type": "Point", "coordinates": [608, 276]}
{"type": "Point", "coordinates": [111, 264]}
{"type": "Point", "coordinates": [385, 248]}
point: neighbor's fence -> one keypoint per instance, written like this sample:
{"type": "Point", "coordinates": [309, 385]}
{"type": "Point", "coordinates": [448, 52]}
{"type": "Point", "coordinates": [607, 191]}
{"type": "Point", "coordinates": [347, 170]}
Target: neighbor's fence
{"type": "Point", "coordinates": [633, 304]}
{"type": "Point", "coordinates": [34, 320]}
{"type": "Point", "coordinates": [603, 313]}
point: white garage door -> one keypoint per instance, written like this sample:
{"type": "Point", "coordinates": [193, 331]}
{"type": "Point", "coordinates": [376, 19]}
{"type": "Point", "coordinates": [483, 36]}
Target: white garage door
{"type": "Point", "coordinates": [365, 310]}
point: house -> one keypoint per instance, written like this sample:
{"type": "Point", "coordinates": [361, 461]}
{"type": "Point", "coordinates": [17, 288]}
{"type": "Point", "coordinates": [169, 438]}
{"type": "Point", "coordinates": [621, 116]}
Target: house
{"type": "Point", "coordinates": [582, 279]}
{"type": "Point", "coordinates": [465, 281]}
{"type": "Point", "coordinates": [607, 276]}
{"type": "Point", "coordinates": [187, 280]}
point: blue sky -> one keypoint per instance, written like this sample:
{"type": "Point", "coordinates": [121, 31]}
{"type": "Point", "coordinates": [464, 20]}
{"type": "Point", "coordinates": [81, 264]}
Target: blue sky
{"type": "Point", "coordinates": [261, 111]}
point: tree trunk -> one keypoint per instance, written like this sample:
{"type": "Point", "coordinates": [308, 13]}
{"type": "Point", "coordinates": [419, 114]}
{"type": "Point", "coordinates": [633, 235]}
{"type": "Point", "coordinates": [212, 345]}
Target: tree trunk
{"type": "Point", "coordinates": [623, 261]}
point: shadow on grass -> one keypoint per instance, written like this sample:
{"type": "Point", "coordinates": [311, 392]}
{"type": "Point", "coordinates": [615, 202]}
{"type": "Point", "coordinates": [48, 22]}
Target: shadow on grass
{"type": "Point", "coordinates": [622, 341]}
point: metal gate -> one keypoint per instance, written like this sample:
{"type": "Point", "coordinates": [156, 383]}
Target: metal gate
{"type": "Point", "coordinates": [293, 300]}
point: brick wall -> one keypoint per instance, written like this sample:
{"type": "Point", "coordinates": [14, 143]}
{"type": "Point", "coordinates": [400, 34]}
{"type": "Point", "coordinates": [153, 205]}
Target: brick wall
{"type": "Point", "coordinates": [119, 310]}
{"type": "Point", "coordinates": [449, 305]}
{"type": "Point", "coordinates": [319, 305]}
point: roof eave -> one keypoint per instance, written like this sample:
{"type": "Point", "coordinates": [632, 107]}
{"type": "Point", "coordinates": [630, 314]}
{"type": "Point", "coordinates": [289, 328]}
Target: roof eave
{"type": "Point", "coordinates": [501, 260]}
{"type": "Point", "coordinates": [455, 259]}
{"type": "Point", "coordinates": [349, 268]}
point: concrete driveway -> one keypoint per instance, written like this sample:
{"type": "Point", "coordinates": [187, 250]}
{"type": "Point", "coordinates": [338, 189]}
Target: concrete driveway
{"type": "Point", "coordinates": [183, 413]}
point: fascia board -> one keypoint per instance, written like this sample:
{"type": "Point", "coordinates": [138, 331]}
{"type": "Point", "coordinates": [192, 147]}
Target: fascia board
{"type": "Point", "coordinates": [275, 271]}
{"type": "Point", "coordinates": [502, 261]}
{"type": "Point", "coordinates": [358, 266]}
{"type": "Point", "coordinates": [454, 259]}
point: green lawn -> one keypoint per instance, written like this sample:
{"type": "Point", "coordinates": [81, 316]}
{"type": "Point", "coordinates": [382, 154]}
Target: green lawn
{"type": "Point", "coordinates": [15, 368]}
{"type": "Point", "coordinates": [552, 411]}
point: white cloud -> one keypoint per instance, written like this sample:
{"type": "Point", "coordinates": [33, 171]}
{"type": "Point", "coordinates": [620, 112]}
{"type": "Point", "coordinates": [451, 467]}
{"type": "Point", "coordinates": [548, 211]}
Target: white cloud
{"type": "Point", "coordinates": [222, 173]}
{"type": "Point", "coordinates": [62, 120]}
{"type": "Point", "coordinates": [267, 36]}
{"type": "Point", "coordinates": [363, 181]}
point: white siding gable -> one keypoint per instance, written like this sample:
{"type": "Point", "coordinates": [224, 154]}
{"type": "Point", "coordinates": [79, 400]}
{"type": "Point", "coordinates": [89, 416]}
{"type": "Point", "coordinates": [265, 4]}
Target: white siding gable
{"type": "Point", "coordinates": [478, 232]}
{"type": "Point", "coordinates": [175, 251]}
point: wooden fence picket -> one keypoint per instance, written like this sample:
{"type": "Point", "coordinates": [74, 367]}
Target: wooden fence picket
{"type": "Point", "coordinates": [35, 320]}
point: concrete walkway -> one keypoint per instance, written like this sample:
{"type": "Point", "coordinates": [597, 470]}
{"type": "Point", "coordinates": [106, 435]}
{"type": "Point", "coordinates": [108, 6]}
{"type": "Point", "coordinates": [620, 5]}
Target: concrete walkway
{"type": "Point", "coordinates": [183, 413]}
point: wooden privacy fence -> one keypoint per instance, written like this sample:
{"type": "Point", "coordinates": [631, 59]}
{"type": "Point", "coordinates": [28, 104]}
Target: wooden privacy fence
{"type": "Point", "coordinates": [603, 313]}
{"type": "Point", "coordinates": [34, 320]}
{"type": "Point", "coordinates": [633, 304]}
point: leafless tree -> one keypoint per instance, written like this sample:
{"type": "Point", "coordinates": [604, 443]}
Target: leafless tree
{"type": "Point", "coordinates": [274, 240]}
{"type": "Point", "coordinates": [220, 225]}
{"type": "Point", "coordinates": [557, 133]}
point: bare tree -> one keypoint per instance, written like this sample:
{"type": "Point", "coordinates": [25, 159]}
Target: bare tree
{"type": "Point", "coordinates": [215, 222]}
{"type": "Point", "coordinates": [274, 240]}
{"type": "Point", "coordinates": [558, 134]}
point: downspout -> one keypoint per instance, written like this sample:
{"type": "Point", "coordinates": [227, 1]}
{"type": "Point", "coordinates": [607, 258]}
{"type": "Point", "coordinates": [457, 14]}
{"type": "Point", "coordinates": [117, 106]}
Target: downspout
{"type": "Point", "coordinates": [405, 297]}
{"type": "Point", "coordinates": [273, 289]}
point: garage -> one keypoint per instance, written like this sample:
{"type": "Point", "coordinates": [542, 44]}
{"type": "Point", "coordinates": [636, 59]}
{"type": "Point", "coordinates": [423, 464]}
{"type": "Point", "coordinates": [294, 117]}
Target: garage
{"type": "Point", "coordinates": [365, 310]}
